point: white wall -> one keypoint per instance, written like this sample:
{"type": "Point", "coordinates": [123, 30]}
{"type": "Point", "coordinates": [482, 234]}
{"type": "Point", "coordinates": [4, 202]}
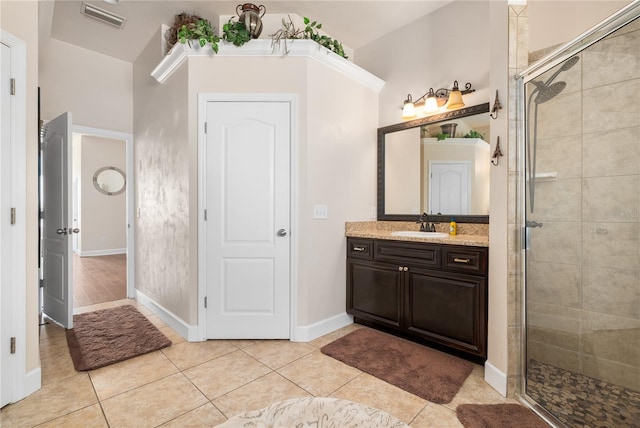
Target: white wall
{"type": "Point", "coordinates": [97, 89]}
{"type": "Point", "coordinates": [103, 219]}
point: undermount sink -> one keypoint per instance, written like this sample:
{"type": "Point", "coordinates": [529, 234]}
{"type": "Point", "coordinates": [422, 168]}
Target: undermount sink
{"type": "Point", "coordinates": [418, 234]}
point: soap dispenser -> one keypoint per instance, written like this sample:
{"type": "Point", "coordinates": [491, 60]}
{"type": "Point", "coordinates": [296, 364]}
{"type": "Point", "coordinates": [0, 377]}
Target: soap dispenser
{"type": "Point", "coordinates": [453, 227]}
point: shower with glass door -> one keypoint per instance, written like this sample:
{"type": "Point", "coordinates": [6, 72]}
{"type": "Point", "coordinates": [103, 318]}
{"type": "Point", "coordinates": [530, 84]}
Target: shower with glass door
{"type": "Point", "coordinates": [580, 214]}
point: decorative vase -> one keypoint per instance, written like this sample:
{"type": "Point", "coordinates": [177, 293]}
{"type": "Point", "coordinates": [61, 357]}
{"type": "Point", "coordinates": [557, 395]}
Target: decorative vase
{"type": "Point", "coordinates": [449, 128]}
{"type": "Point", "coordinates": [250, 15]}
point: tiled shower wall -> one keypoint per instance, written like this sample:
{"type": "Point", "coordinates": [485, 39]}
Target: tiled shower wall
{"type": "Point", "coordinates": [583, 288]}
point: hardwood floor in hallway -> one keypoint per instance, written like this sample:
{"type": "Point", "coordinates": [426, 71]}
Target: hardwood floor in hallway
{"type": "Point", "coordinates": [99, 279]}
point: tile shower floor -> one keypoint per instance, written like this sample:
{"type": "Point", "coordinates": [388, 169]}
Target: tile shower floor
{"type": "Point", "coordinates": [581, 401]}
{"type": "Point", "coordinates": [203, 384]}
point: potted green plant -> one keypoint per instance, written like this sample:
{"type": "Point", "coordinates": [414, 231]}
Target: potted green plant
{"type": "Point", "coordinates": [189, 27]}
{"type": "Point", "coordinates": [235, 32]}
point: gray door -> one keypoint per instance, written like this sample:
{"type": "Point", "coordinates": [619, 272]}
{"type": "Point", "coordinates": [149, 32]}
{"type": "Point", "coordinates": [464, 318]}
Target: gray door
{"type": "Point", "coordinates": [58, 225]}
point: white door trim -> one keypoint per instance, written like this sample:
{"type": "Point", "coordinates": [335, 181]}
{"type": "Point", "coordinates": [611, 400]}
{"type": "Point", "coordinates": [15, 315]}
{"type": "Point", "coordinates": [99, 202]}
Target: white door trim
{"type": "Point", "coordinates": [128, 138]}
{"type": "Point", "coordinates": [203, 99]}
{"type": "Point", "coordinates": [22, 383]}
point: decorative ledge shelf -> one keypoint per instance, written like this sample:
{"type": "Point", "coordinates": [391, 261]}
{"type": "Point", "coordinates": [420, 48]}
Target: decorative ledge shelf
{"type": "Point", "coordinates": [296, 48]}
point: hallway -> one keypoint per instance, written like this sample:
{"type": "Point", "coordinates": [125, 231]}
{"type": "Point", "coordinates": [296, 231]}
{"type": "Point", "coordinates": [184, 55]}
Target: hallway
{"type": "Point", "coordinates": [99, 279]}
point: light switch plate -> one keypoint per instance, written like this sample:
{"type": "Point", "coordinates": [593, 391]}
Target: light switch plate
{"type": "Point", "coordinates": [320, 211]}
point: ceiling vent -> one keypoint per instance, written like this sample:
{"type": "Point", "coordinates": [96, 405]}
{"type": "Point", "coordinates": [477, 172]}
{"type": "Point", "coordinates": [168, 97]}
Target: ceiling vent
{"type": "Point", "coordinates": [102, 15]}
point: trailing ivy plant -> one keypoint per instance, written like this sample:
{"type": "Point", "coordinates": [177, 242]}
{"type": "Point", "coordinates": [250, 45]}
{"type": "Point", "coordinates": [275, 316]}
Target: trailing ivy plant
{"type": "Point", "coordinates": [235, 32]}
{"type": "Point", "coordinates": [289, 31]}
{"type": "Point", "coordinates": [311, 32]}
{"type": "Point", "coordinates": [202, 31]}
{"type": "Point", "coordinates": [474, 134]}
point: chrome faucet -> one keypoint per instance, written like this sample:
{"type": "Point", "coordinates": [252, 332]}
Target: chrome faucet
{"type": "Point", "coordinates": [425, 226]}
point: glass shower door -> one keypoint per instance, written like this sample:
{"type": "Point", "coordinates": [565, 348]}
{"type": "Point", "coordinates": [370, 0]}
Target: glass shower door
{"type": "Point", "coordinates": [582, 233]}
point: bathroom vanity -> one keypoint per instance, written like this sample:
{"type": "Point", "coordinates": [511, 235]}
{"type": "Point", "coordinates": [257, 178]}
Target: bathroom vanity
{"type": "Point", "coordinates": [433, 290]}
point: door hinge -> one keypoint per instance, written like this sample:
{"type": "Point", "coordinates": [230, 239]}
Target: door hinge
{"type": "Point", "coordinates": [42, 215]}
{"type": "Point", "coordinates": [42, 283]}
{"type": "Point", "coordinates": [13, 86]}
{"type": "Point", "coordinates": [205, 215]}
{"type": "Point", "coordinates": [13, 345]}
{"type": "Point", "coordinates": [205, 302]}
{"type": "Point", "coordinates": [13, 216]}
{"type": "Point", "coordinates": [205, 127]}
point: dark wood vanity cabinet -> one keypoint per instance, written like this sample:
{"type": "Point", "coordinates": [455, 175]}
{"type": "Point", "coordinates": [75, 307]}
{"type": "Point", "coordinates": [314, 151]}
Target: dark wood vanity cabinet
{"type": "Point", "coordinates": [433, 292]}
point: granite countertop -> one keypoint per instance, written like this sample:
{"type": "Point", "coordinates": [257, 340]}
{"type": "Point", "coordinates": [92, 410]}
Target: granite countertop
{"type": "Point", "coordinates": [469, 234]}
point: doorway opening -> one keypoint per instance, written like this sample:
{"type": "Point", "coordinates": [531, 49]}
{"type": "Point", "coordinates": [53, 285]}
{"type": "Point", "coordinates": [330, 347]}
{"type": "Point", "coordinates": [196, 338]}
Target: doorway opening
{"type": "Point", "coordinates": [99, 212]}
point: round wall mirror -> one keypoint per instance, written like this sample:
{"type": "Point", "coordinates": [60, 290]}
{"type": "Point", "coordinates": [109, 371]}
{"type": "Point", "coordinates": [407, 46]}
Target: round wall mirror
{"type": "Point", "coordinates": [110, 180]}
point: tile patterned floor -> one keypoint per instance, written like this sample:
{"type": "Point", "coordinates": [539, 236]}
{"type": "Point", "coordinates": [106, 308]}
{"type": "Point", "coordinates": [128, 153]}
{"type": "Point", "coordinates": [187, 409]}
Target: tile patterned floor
{"type": "Point", "coordinates": [99, 279]}
{"type": "Point", "coordinates": [203, 384]}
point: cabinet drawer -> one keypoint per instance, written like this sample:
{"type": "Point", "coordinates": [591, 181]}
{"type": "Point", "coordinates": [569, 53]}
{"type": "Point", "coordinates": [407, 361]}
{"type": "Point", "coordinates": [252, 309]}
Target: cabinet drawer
{"type": "Point", "coordinates": [360, 248]}
{"type": "Point", "coordinates": [407, 253]}
{"type": "Point", "coordinates": [471, 260]}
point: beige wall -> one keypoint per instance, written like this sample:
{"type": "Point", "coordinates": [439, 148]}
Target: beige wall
{"type": "Point", "coordinates": [549, 26]}
{"type": "Point", "coordinates": [20, 18]}
{"type": "Point", "coordinates": [95, 88]}
{"type": "Point", "coordinates": [161, 156]}
{"type": "Point", "coordinates": [103, 218]}
{"type": "Point", "coordinates": [335, 149]}
{"type": "Point", "coordinates": [450, 44]}
{"type": "Point", "coordinates": [403, 172]}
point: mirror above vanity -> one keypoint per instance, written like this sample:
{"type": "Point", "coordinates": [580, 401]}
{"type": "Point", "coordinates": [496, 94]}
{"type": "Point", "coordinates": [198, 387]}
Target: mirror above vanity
{"type": "Point", "coordinates": [437, 164]}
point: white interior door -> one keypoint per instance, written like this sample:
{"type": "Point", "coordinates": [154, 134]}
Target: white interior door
{"type": "Point", "coordinates": [247, 200]}
{"type": "Point", "coordinates": [449, 184]}
{"type": "Point", "coordinates": [57, 299]}
{"type": "Point", "coordinates": [6, 386]}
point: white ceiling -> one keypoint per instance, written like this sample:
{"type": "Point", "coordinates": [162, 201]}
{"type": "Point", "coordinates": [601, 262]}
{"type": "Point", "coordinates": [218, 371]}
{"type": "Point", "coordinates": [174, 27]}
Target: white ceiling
{"type": "Point", "coordinates": [354, 23]}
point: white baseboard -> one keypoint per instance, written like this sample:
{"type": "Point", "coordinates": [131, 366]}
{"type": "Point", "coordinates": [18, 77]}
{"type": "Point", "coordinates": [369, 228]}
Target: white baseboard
{"type": "Point", "coordinates": [189, 332]}
{"type": "Point", "coordinates": [32, 382]}
{"type": "Point", "coordinates": [495, 378]}
{"type": "Point", "coordinates": [94, 253]}
{"type": "Point", "coordinates": [309, 332]}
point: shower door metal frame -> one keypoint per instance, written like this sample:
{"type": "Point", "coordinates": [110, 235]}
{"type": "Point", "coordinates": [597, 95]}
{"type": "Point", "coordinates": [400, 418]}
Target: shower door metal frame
{"type": "Point", "coordinates": [555, 58]}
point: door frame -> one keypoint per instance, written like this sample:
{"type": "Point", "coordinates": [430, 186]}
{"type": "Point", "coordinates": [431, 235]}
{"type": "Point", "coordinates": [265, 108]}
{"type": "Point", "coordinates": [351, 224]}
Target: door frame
{"type": "Point", "coordinates": [203, 99]}
{"type": "Point", "coordinates": [130, 192]}
{"type": "Point", "coordinates": [21, 383]}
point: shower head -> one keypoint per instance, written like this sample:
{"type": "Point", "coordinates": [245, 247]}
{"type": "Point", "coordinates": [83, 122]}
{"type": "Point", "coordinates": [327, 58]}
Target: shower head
{"type": "Point", "coordinates": [565, 66]}
{"type": "Point", "coordinates": [548, 92]}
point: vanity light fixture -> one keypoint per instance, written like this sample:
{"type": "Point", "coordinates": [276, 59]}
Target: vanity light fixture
{"type": "Point", "coordinates": [435, 99]}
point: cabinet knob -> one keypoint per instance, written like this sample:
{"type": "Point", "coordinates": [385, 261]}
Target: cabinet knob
{"type": "Point", "coordinates": [400, 268]}
{"type": "Point", "coordinates": [405, 269]}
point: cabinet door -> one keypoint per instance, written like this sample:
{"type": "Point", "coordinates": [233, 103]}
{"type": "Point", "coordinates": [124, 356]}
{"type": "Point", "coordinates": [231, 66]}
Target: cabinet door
{"type": "Point", "coordinates": [375, 292]}
{"type": "Point", "coordinates": [449, 309]}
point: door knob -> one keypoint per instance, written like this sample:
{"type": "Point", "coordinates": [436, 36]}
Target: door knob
{"type": "Point", "coordinates": [62, 231]}
{"type": "Point", "coordinates": [282, 232]}
{"type": "Point", "coordinates": [75, 230]}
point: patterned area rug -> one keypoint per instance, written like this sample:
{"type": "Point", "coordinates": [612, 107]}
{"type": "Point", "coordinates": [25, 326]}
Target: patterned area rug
{"type": "Point", "coordinates": [108, 336]}
{"type": "Point", "coordinates": [316, 412]}
{"type": "Point", "coordinates": [581, 401]}
{"type": "Point", "coordinates": [420, 370]}
{"type": "Point", "coordinates": [498, 416]}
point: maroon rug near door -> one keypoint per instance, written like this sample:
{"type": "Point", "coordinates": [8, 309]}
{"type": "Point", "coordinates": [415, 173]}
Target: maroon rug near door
{"type": "Point", "coordinates": [498, 416]}
{"type": "Point", "coordinates": [420, 370]}
{"type": "Point", "coordinates": [108, 336]}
